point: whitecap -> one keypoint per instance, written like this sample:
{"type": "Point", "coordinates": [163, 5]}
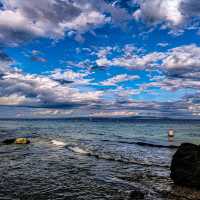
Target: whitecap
{"type": "Point", "coordinates": [58, 143]}
{"type": "Point", "coordinates": [79, 150]}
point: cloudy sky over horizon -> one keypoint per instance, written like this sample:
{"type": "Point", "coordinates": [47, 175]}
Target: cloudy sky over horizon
{"type": "Point", "coordinates": [99, 58]}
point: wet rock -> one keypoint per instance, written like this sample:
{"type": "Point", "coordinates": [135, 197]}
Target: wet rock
{"type": "Point", "coordinates": [22, 141]}
{"type": "Point", "coordinates": [136, 195]}
{"type": "Point", "coordinates": [185, 166]}
{"type": "Point", "coordinates": [16, 141]}
{"type": "Point", "coordinates": [9, 141]}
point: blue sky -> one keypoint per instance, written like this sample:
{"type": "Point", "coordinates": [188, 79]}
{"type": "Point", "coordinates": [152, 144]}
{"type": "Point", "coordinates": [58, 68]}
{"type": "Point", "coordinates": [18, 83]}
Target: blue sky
{"type": "Point", "coordinates": [96, 58]}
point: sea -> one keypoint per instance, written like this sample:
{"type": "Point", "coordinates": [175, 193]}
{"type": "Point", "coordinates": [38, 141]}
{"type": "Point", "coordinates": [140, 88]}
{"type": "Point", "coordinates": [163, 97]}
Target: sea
{"type": "Point", "coordinates": [93, 159]}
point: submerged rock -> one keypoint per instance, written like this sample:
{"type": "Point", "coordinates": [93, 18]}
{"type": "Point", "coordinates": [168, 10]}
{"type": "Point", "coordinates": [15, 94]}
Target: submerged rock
{"type": "Point", "coordinates": [16, 141]}
{"type": "Point", "coordinates": [185, 166]}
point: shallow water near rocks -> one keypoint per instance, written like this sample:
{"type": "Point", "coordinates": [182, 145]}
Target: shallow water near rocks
{"type": "Point", "coordinates": [80, 159]}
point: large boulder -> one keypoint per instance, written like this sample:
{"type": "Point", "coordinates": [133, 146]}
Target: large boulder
{"type": "Point", "coordinates": [185, 166]}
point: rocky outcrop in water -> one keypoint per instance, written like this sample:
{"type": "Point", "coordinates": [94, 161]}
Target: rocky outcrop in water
{"type": "Point", "coordinates": [22, 141]}
{"type": "Point", "coordinates": [185, 166]}
{"type": "Point", "coordinates": [9, 141]}
{"type": "Point", "coordinates": [16, 141]}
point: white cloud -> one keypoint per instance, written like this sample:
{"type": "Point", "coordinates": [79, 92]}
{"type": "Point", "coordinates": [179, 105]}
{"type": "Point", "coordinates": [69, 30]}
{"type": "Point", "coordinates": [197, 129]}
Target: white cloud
{"type": "Point", "coordinates": [178, 15]}
{"type": "Point", "coordinates": [132, 61]}
{"type": "Point", "coordinates": [155, 11]}
{"type": "Point", "coordinates": [122, 113]}
{"type": "Point", "coordinates": [182, 59]}
{"type": "Point", "coordinates": [21, 20]}
{"type": "Point", "coordinates": [51, 112]}
{"type": "Point", "coordinates": [119, 79]}
{"type": "Point", "coordinates": [70, 76]}
{"type": "Point", "coordinates": [17, 88]}
{"type": "Point", "coordinates": [12, 99]}
{"type": "Point", "coordinates": [104, 52]}
{"type": "Point", "coordinates": [162, 44]}
{"type": "Point", "coordinates": [85, 20]}
{"type": "Point", "coordinates": [103, 62]}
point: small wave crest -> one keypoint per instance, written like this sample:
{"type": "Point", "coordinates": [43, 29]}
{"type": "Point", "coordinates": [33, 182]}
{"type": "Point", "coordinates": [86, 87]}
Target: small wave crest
{"type": "Point", "coordinates": [104, 156]}
{"type": "Point", "coordinates": [148, 144]}
{"type": "Point", "coordinates": [171, 146]}
{"type": "Point", "coordinates": [128, 161]}
{"type": "Point", "coordinates": [79, 150]}
{"type": "Point", "coordinates": [141, 143]}
{"type": "Point", "coordinates": [58, 143]}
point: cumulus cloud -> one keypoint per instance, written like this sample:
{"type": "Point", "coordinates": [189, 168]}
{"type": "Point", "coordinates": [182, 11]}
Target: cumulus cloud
{"type": "Point", "coordinates": [182, 60]}
{"type": "Point", "coordinates": [84, 20]}
{"type": "Point", "coordinates": [132, 61]}
{"type": "Point", "coordinates": [173, 13]}
{"type": "Point", "coordinates": [121, 113]}
{"type": "Point", "coordinates": [51, 112]}
{"type": "Point", "coordinates": [156, 11]}
{"type": "Point", "coordinates": [119, 79]}
{"type": "Point", "coordinates": [22, 20]}
{"type": "Point", "coordinates": [12, 99]}
{"type": "Point", "coordinates": [180, 69]}
{"type": "Point", "coordinates": [172, 84]}
{"type": "Point", "coordinates": [69, 76]}
{"type": "Point", "coordinates": [18, 88]}
{"type": "Point", "coordinates": [177, 69]}
{"type": "Point", "coordinates": [104, 52]}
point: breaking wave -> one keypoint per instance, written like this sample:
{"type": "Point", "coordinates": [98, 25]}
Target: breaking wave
{"type": "Point", "coordinates": [58, 143]}
{"type": "Point", "coordinates": [104, 156]}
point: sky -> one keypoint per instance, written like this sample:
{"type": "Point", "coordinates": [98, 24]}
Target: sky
{"type": "Point", "coordinates": [99, 58]}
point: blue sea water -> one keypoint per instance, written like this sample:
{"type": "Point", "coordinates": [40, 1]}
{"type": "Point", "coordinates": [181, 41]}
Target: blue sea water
{"type": "Point", "coordinates": [92, 159]}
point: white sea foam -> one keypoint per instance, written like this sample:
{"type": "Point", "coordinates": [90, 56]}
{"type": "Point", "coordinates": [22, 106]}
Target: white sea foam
{"type": "Point", "coordinates": [58, 143]}
{"type": "Point", "coordinates": [78, 150]}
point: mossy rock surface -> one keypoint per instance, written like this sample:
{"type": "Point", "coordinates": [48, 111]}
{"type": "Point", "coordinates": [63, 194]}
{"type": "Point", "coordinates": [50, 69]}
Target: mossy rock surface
{"type": "Point", "coordinates": [22, 141]}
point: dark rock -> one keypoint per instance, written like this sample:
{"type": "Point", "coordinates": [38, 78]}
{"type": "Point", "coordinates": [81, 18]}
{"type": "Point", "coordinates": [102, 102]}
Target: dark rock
{"type": "Point", "coordinates": [185, 166]}
{"type": "Point", "coordinates": [136, 195]}
{"type": "Point", "coordinates": [16, 141]}
{"type": "Point", "coordinates": [9, 141]}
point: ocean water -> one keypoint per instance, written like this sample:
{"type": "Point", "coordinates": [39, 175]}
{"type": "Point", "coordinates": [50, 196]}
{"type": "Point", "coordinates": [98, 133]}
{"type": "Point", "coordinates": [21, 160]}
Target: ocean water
{"type": "Point", "coordinates": [92, 160]}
